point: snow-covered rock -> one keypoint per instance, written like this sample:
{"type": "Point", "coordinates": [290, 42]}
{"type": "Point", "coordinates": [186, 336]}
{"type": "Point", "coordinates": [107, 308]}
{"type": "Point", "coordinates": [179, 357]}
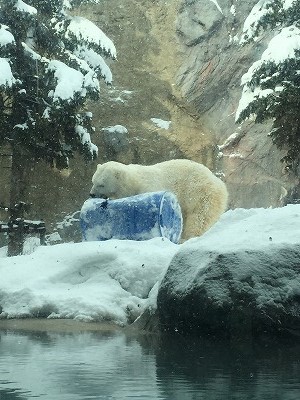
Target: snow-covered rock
{"type": "Point", "coordinates": [241, 277]}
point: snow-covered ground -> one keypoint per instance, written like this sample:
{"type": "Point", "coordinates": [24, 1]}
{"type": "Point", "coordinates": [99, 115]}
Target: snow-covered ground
{"type": "Point", "coordinates": [116, 280]}
{"type": "Point", "coordinates": [91, 281]}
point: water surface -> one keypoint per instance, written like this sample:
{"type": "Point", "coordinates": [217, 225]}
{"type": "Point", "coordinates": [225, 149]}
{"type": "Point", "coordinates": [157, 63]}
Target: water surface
{"type": "Point", "coordinates": [113, 365]}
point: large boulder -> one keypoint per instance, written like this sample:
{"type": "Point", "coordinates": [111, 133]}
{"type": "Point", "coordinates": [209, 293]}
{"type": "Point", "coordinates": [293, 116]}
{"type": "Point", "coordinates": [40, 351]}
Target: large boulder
{"type": "Point", "coordinates": [240, 278]}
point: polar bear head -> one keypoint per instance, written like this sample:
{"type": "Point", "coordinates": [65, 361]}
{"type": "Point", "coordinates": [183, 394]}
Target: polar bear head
{"type": "Point", "coordinates": [111, 181]}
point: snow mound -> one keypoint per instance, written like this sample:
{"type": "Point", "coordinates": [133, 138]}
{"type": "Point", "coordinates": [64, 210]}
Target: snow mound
{"type": "Point", "coordinates": [92, 281]}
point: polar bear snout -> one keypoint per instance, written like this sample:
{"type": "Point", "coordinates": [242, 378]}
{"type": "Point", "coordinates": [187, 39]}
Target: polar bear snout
{"type": "Point", "coordinates": [98, 191]}
{"type": "Point", "coordinates": [100, 196]}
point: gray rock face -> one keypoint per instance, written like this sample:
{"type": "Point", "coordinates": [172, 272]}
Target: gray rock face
{"type": "Point", "coordinates": [197, 21]}
{"type": "Point", "coordinates": [237, 293]}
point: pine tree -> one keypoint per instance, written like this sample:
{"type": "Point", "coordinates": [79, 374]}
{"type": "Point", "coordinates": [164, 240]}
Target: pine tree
{"type": "Point", "coordinates": [271, 87]}
{"type": "Point", "coordinates": [50, 65]}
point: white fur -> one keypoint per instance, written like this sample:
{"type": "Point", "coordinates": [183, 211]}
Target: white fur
{"type": "Point", "coordinates": [201, 195]}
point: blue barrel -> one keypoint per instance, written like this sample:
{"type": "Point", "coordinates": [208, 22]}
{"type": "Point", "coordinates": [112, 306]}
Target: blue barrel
{"type": "Point", "coordinates": [141, 217]}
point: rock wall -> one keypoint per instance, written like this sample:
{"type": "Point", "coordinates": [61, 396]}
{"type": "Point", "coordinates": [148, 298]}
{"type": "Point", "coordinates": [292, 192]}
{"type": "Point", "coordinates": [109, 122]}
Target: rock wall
{"type": "Point", "coordinates": [144, 87]}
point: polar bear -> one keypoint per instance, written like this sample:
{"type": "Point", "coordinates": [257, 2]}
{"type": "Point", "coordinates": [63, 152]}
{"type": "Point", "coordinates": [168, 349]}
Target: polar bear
{"type": "Point", "coordinates": [201, 195]}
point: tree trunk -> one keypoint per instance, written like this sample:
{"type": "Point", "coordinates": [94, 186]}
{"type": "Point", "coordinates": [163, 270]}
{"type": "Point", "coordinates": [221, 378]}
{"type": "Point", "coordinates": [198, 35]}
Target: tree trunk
{"type": "Point", "coordinates": [20, 172]}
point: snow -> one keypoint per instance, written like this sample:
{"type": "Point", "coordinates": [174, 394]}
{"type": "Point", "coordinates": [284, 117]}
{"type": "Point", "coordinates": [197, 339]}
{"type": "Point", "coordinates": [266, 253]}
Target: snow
{"type": "Point", "coordinates": [230, 140]}
{"type": "Point", "coordinates": [246, 268]}
{"type": "Point", "coordinates": [249, 95]}
{"type": "Point", "coordinates": [90, 81]}
{"type": "Point", "coordinates": [23, 126]}
{"type": "Point", "coordinates": [116, 280]}
{"type": "Point", "coordinates": [250, 25]}
{"type": "Point", "coordinates": [69, 81]}
{"type": "Point", "coordinates": [25, 8]}
{"type": "Point", "coordinates": [33, 54]}
{"type": "Point", "coordinates": [116, 129]}
{"type": "Point", "coordinates": [280, 47]}
{"type": "Point", "coordinates": [5, 36]}
{"type": "Point", "coordinates": [83, 134]}
{"type": "Point", "coordinates": [233, 9]}
{"type": "Point", "coordinates": [6, 77]}
{"type": "Point", "coordinates": [91, 281]}
{"type": "Point", "coordinates": [254, 229]}
{"type": "Point", "coordinates": [85, 138]}
{"type": "Point", "coordinates": [161, 123]}
{"type": "Point", "coordinates": [67, 4]}
{"type": "Point", "coordinates": [95, 61]}
{"type": "Point", "coordinates": [260, 10]}
{"type": "Point", "coordinates": [288, 4]}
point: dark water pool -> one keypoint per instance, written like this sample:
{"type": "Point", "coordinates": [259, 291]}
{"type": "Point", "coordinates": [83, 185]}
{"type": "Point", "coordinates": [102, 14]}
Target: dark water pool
{"type": "Point", "coordinates": [92, 365]}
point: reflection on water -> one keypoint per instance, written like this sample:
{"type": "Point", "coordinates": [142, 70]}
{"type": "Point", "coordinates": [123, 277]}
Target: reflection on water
{"type": "Point", "coordinates": [96, 365]}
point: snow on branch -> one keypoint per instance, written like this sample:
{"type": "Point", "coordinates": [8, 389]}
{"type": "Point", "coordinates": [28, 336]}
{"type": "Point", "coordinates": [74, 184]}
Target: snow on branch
{"type": "Point", "coordinates": [85, 138]}
{"type": "Point", "coordinates": [79, 62]}
{"type": "Point", "coordinates": [31, 53]}
{"type": "Point", "coordinates": [88, 61]}
{"type": "Point", "coordinates": [84, 30]}
{"type": "Point", "coordinates": [69, 81]}
{"type": "Point", "coordinates": [260, 10]}
{"type": "Point", "coordinates": [267, 12]}
{"type": "Point", "coordinates": [5, 36]}
{"type": "Point", "coordinates": [69, 4]}
{"type": "Point", "coordinates": [6, 77]}
{"type": "Point", "coordinates": [25, 8]}
{"type": "Point", "coordinates": [281, 47]}
{"type": "Point", "coordinates": [91, 83]}
{"type": "Point", "coordinates": [95, 61]}
{"type": "Point", "coordinates": [288, 4]}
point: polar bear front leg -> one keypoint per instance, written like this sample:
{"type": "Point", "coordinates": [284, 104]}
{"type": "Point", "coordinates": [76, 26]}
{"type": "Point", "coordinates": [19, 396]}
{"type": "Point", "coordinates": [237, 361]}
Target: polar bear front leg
{"type": "Point", "coordinates": [190, 227]}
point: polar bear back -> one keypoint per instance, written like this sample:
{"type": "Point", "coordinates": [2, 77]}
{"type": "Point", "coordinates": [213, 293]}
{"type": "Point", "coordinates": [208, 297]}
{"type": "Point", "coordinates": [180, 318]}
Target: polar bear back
{"type": "Point", "coordinates": [201, 195]}
{"type": "Point", "coordinates": [189, 180]}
